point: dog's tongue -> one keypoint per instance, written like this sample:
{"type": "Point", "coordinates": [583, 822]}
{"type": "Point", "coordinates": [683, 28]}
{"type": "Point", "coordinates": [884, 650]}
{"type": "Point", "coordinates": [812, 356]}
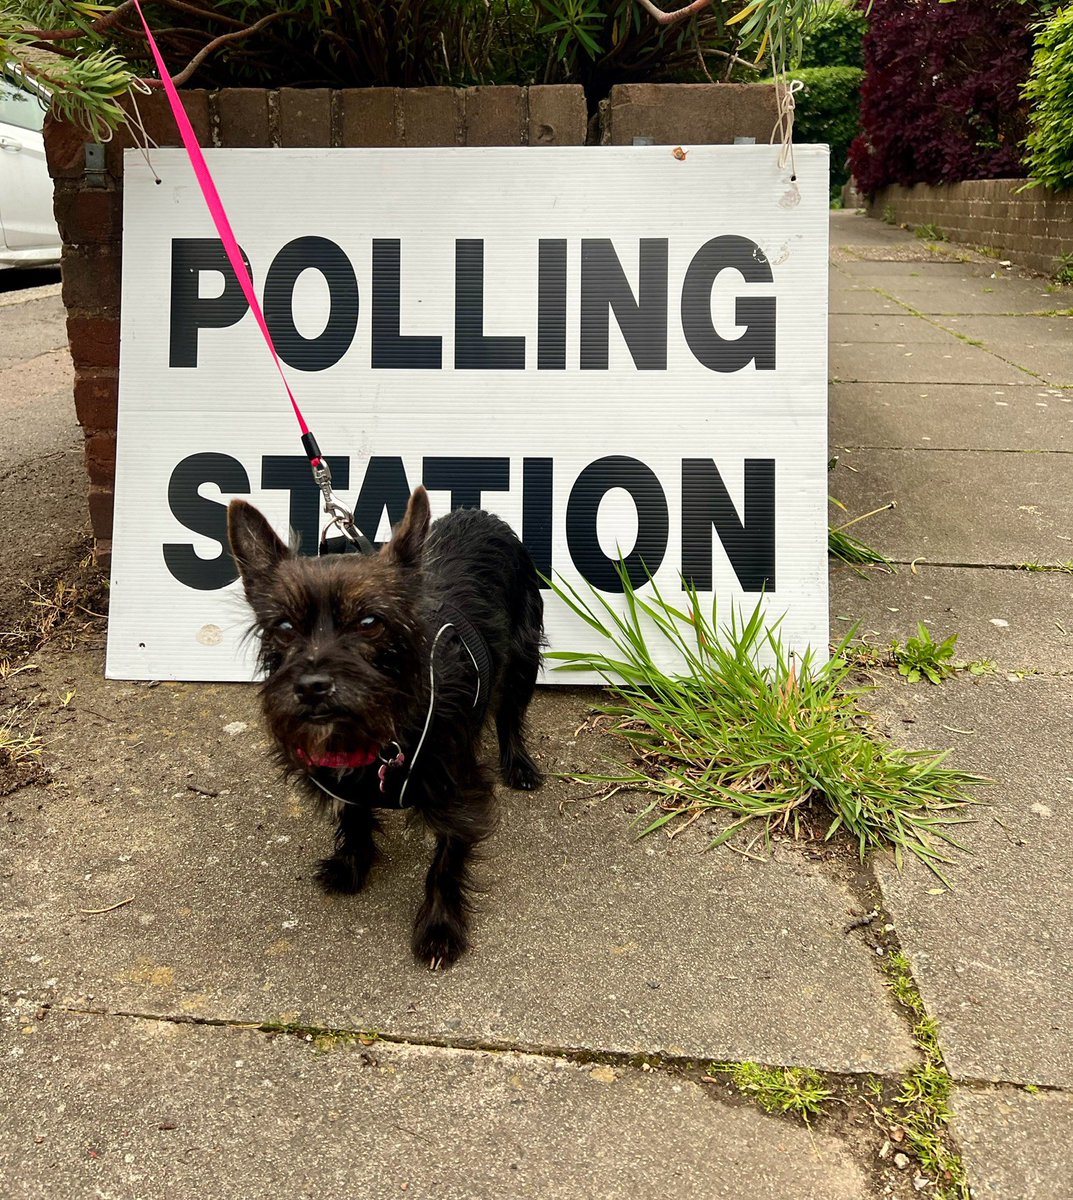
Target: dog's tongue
{"type": "Point", "coordinates": [339, 759]}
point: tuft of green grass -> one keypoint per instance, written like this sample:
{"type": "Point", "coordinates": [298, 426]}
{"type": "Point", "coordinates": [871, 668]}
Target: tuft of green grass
{"type": "Point", "coordinates": [923, 658]}
{"type": "Point", "coordinates": [848, 549]}
{"type": "Point", "coordinates": [888, 215]}
{"type": "Point", "coordinates": [793, 1091]}
{"type": "Point", "coordinates": [1063, 269]}
{"type": "Point", "coordinates": [845, 546]}
{"type": "Point", "coordinates": [770, 743]}
{"type": "Point", "coordinates": [873, 1085]}
{"type": "Point", "coordinates": [930, 233]}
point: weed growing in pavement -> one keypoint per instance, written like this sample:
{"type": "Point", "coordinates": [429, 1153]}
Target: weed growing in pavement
{"type": "Point", "coordinates": [848, 549]}
{"type": "Point", "coordinates": [888, 215]}
{"type": "Point", "coordinates": [772, 744]}
{"type": "Point", "coordinates": [321, 1039]}
{"type": "Point", "coordinates": [981, 666]}
{"type": "Point", "coordinates": [930, 233]}
{"type": "Point", "coordinates": [923, 658]}
{"type": "Point", "coordinates": [1063, 567]}
{"type": "Point", "coordinates": [793, 1091]}
{"type": "Point", "coordinates": [1063, 269]}
{"type": "Point", "coordinates": [845, 546]}
{"type": "Point", "coordinates": [919, 1115]}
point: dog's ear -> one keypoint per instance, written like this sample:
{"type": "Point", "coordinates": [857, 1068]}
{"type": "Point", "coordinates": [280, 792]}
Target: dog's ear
{"type": "Point", "coordinates": [256, 549]}
{"type": "Point", "coordinates": [408, 541]}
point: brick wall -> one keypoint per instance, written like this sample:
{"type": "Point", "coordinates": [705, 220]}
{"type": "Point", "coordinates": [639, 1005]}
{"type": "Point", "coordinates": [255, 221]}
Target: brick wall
{"type": "Point", "coordinates": [90, 217]}
{"type": "Point", "coordinates": [1032, 228]}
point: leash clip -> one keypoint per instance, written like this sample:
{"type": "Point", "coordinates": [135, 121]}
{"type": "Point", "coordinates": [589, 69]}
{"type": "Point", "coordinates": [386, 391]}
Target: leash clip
{"type": "Point", "coordinates": [340, 515]}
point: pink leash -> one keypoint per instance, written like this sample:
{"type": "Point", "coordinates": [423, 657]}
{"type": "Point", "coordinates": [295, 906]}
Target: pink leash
{"type": "Point", "coordinates": [321, 474]}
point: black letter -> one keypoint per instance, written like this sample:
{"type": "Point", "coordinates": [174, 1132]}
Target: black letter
{"type": "Point", "coordinates": [207, 517]}
{"type": "Point", "coordinates": [473, 350]}
{"type": "Point", "coordinates": [290, 473]}
{"type": "Point", "coordinates": [536, 512]}
{"type": "Point", "coordinates": [756, 313]}
{"type": "Point", "coordinates": [384, 486]}
{"type": "Point", "coordinates": [598, 478]}
{"type": "Point", "coordinates": [466, 478]}
{"type": "Point", "coordinates": [390, 348]}
{"type": "Point", "coordinates": [329, 346]}
{"type": "Point", "coordinates": [643, 321]}
{"type": "Point", "coordinates": [750, 546]}
{"type": "Point", "coordinates": [551, 305]}
{"type": "Point", "coordinates": [189, 313]}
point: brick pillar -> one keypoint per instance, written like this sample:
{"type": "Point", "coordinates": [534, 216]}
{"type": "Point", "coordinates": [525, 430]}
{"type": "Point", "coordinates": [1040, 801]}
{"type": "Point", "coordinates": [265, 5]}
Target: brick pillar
{"type": "Point", "coordinates": [90, 219]}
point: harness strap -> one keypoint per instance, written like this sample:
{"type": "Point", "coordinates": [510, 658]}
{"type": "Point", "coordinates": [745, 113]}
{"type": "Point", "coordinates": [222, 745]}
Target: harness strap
{"type": "Point", "coordinates": [451, 621]}
{"type": "Point", "coordinates": [475, 646]}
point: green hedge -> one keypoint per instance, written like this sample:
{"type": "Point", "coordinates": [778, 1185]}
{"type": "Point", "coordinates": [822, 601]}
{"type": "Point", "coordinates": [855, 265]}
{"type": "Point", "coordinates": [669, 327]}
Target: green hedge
{"type": "Point", "coordinates": [829, 110]}
{"type": "Point", "coordinates": [1049, 91]}
{"type": "Point", "coordinates": [835, 39]}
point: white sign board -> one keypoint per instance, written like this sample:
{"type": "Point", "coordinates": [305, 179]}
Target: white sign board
{"type": "Point", "coordinates": [615, 349]}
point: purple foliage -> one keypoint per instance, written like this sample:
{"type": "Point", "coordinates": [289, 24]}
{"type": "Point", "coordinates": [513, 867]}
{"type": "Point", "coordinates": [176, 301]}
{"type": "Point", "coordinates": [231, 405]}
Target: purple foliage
{"type": "Point", "coordinates": [941, 98]}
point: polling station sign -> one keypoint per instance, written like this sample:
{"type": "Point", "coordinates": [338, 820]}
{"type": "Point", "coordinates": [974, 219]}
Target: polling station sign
{"type": "Point", "coordinates": [621, 351]}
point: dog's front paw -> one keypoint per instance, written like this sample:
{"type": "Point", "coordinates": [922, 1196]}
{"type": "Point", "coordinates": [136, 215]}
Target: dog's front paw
{"type": "Point", "coordinates": [522, 773]}
{"type": "Point", "coordinates": [437, 944]}
{"type": "Point", "coordinates": [339, 875]}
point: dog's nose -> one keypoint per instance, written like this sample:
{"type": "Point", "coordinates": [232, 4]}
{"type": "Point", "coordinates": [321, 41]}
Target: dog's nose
{"type": "Point", "coordinates": [314, 687]}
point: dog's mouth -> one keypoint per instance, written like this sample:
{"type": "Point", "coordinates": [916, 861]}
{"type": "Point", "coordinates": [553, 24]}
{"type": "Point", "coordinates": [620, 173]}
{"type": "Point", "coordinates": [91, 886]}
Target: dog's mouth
{"type": "Point", "coordinates": [321, 714]}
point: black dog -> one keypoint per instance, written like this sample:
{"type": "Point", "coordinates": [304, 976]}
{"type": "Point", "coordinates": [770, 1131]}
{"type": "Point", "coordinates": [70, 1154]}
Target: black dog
{"type": "Point", "coordinates": [381, 672]}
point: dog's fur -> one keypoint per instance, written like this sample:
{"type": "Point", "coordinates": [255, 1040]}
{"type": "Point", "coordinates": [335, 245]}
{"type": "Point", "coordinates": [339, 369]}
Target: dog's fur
{"type": "Point", "coordinates": [345, 646]}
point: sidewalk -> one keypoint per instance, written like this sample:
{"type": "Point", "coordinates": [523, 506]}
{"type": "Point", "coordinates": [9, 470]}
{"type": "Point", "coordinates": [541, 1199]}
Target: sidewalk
{"type": "Point", "coordinates": [200, 1040]}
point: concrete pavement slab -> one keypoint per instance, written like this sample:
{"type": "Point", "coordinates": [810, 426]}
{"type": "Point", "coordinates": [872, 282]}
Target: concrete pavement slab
{"type": "Point", "coordinates": [898, 327]}
{"type": "Point", "coordinates": [948, 362]}
{"type": "Point", "coordinates": [962, 507]}
{"type": "Point", "coordinates": [586, 937]}
{"type": "Point", "coordinates": [28, 380]}
{"type": "Point", "coordinates": [878, 271]}
{"type": "Point", "coordinates": [1015, 1144]}
{"type": "Point", "coordinates": [951, 416]}
{"type": "Point", "coordinates": [994, 956]}
{"type": "Point", "coordinates": [105, 1107]}
{"type": "Point", "coordinates": [31, 328]}
{"type": "Point", "coordinates": [43, 507]}
{"type": "Point", "coordinates": [1043, 345]}
{"type": "Point", "coordinates": [850, 229]}
{"type": "Point", "coordinates": [865, 300]}
{"type": "Point", "coordinates": [950, 293]}
{"type": "Point", "coordinates": [903, 252]}
{"type": "Point", "coordinates": [1018, 620]}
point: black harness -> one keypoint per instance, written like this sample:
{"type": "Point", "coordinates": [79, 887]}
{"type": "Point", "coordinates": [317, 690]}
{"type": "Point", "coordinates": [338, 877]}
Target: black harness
{"type": "Point", "coordinates": [449, 622]}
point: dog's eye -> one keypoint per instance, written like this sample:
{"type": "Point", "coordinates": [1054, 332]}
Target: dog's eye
{"type": "Point", "coordinates": [369, 622]}
{"type": "Point", "coordinates": [284, 626]}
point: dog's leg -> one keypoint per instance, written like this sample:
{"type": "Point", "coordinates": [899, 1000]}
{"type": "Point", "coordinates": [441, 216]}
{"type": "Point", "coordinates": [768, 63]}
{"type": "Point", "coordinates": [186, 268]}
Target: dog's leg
{"type": "Point", "coordinates": [519, 681]}
{"type": "Point", "coordinates": [441, 930]}
{"type": "Point", "coordinates": [355, 851]}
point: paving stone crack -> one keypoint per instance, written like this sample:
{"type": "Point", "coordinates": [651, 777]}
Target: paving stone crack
{"type": "Point", "coordinates": [952, 449]}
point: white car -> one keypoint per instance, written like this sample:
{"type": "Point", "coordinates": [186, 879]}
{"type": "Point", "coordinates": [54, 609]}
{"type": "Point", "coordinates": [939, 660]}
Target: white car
{"type": "Point", "coordinates": [28, 233]}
